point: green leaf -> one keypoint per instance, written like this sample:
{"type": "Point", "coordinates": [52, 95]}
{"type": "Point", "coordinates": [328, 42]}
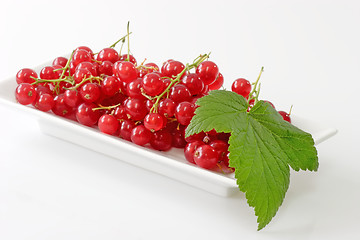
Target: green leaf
{"type": "Point", "coordinates": [262, 146]}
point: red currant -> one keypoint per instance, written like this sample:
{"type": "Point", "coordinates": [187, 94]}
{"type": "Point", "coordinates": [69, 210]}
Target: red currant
{"type": "Point", "coordinates": [184, 112]}
{"type": "Point", "coordinates": [108, 124]}
{"type": "Point", "coordinates": [153, 122]}
{"type": "Point", "coordinates": [217, 83]}
{"type": "Point", "coordinates": [190, 149]}
{"type": "Point", "coordinates": [206, 156]}
{"type": "Point", "coordinates": [24, 76]}
{"type": "Point", "coordinates": [126, 127]}
{"type": "Point", "coordinates": [86, 115]}
{"type": "Point", "coordinates": [207, 71]}
{"type": "Point", "coordinates": [242, 87]}
{"type": "Point", "coordinates": [285, 116]}
{"type": "Point", "coordinates": [25, 93]}
{"type": "Point", "coordinates": [60, 61]}
{"type": "Point", "coordinates": [152, 84]}
{"type": "Point", "coordinates": [161, 140]}
{"type": "Point", "coordinates": [126, 71]}
{"type": "Point", "coordinates": [108, 54]}
{"type": "Point", "coordinates": [90, 92]}
{"type": "Point", "coordinates": [193, 83]}
{"type": "Point", "coordinates": [110, 85]}
{"type": "Point", "coordinates": [180, 93]}
{"type": "Point", "coordinates": [140, 135]}
{"type": "Point", "coordinates": [44, 102]}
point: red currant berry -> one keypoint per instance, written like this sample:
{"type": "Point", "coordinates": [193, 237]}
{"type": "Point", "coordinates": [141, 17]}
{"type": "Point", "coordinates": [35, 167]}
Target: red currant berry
{"type": "Point", "coordinates": [60, 61]}
{"type": "Point", "coordinates": [184, 113]}
{"type": "Point", "coordinates": [90, 92]}
{"type": "Point", "coordinates": [86, 115]}
{"type": "Point", "coordinates": [190, 149]}
{"type": "Point", "coordinates": [285, 116]}
{"type": "Point", "coordinates": [153, 122]}
{"type": "Point", "coordinates": [72, 98]}
{"type": "Point", "coordinates": [44, 102]}
{"type": "Point", "coordinates": [81, 74]}
{"type": "Point", "coordinates": [140, 135]}
{"type": "Point", "coordinates": [136, 109]}
{"type": "Point", "coordinates": [106, 68]}
{"type": "Point", "coordinates": [196, 137]}
{"type": "Point", "coordinates": [25, 93]}
{"type": "Point", "coordinates": [86, 49]}
{"type": "Point", "coordinates": [161, 140]}
{"type": "Point", "coordinates": [207, 71]}
{"type": "Point", "coordinates": [47, 73]}
{"type": "Point", "coordinates": [108, 124]}
{"type": "Point", "coordinates": [60, 108]}
{"type": "Point", "coordinates": [120, 113]}
{"type": "Point", "coordinates": [148, 68]}
{"type": "Point", "coordinates": [24, 76]}
{"type": "Point", "coordinates": [221, 147]}
{"type": "Point", "coordinates": [126, 128]}
{"type": "Point", "coordinates": [108, 54]}
{"type": "Point", "coordinates": [217, 83]}
{"type": "Point", "coordinates": [242, 87]}
{"type": "Point", "coordinates": [110, 85]}
{"type": "Point", "coordinates": [124, 57]}
{"type": "Point", "coordinates": [180, 93]}
{"type": "Point", "coordinates": [193, 83]}
{"type": "Point", "coordinates": [79, 56]}
{"type": "Point", "coordinates": [152, 84]}
{"type": "Point", "coordinates": [167, 107]}
{"type": "Point", "coordinates": [206, 156]}
{"type": "Point", "coordinates": [178, 137]}
{"type": "Point", "coordinates": [89, 66]}
{"type": "Point", "coordinates": [126, 71]}
{"type": "Point", "coordinates": [172, 69]}
{"type": "Point", "coordinates": [133, 89]}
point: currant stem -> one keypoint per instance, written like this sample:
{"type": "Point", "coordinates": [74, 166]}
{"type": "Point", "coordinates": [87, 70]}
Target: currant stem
{"type": "Point", "coordinates": [120, 40]}
{"type": "Point", "coordinates": [256, 88]}
{"type": "Point", "coordinates": [107, 108]}
{"type": "Point", "coordinates": [128, 39]}
{"type": "Point", "coordinates": [67, 66]}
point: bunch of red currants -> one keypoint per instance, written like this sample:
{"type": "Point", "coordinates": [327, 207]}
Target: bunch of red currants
{"type": "Point", "coordinates": [142, 103]}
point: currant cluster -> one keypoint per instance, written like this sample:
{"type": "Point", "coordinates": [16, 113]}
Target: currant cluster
{"type": "Point", "coordinates": [142, 103]}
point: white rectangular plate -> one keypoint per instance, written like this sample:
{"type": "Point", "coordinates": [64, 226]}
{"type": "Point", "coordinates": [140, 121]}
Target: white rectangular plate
{"type": "Point", "coordinates": [171, 164]}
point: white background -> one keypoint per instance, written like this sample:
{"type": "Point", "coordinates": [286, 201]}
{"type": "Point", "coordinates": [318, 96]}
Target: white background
{"type": "Point", "coordinates": [50, 189]}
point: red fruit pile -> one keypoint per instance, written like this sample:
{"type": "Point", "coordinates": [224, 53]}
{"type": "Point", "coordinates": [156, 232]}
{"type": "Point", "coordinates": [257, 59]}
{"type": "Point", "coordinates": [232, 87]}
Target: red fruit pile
{"type": "Point", "coordinates": [142, 103]}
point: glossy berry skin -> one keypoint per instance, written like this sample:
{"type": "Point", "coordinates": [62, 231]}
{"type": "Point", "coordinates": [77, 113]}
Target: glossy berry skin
{"type": "Point", "coordinates": [167, 107]}
{"type": "Point", "coordinates": [206, 157]}
{"type": "Point", "coordinates": [193, 83]}
{"type": "Point", "coordinates": [180, 93]}
{"type": "Point", "coordinates": [153, 122]}
{"type": "Point", "coordinates": [108, 124]}
{"type": "Point", "coordinates": [86, 115]}
{"type": "Point", "coordinates": [60, 61]}
{"type": "Point", "coordinates": [126, 128]}
{"type": "Point", "coordinates": [161, 140]}
{"type": "Point", "coordinates": [90, 92]}
{"type": "Point", "coordinates": [221, 147]}
{"type": "Point", "coordinates": [72, 98]}
{"type": "Point", "coordinates": [110, 85]}
{"type": "Point", "coordinates": [126, 71]}
{"type": "Point", "coordinates": [60, 108]}
{"type": "Point", "coordinates": [178, 139]}
{"type": "Point", "coordinates": [133, 89]}
{"type": "Point", "coordinates": [106, 68]}
{"type": "Point", "coordinates": [120, 113]}
{"type": "Point", "coordinates": [86, 48]}
{"type": "Point", "coordinates": [242, 87]}
{"type": "Point", "coordinates": [172, 68]}
{"type": "Point", "coordinates": [184, 112]}
{"type": "Point", "coordinates": [89, 66]}
{"type": "Point", "coordinates": [207, 72]}
{"type": "Point", "coordinates": [24, 76]}
{"type": "Point", "coordinates": [79, 56]}
{"type": "Point", "coordinates": [140, 135]}
{"type": "Point", "coordinates": [217, 84]}
{"type": "Point", "coordinates": [148, 68]}
{"type": "Point", "coordinates": [136, 109]}
{"type": "Point", "coordinates": [44, 102]}
{"type": "Point", "coordinates": [285, 116]}
{"type": "Point", "coordinates": [108, 54]}
{"type": "Point", "coordinates": [81, 74]}
{"type": "Point", "coordinates": [124, 57]}
{"type": "Point", "coordinates": [190, 149]}
{"type": "Point", "coordinates": [48, 73]}
{"type": "Point", "coordinates": [25, 93]}
{"type": "Point", "coordinates": [152, 84]}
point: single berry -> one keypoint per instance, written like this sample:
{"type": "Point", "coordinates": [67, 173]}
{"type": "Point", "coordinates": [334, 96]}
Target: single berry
{"type": "Point", "coordinates": [206, 157]}
{"type": "Point", "coordinates": [140, 135]}
{"type": "Point", "coordinates": [25, 93]}
{"type": "Point", "coordinates": [108, 124]}
{"type": "Point", "coordinates": [207, 71]}
{"type": "Point", "coordinates": [242, 87]}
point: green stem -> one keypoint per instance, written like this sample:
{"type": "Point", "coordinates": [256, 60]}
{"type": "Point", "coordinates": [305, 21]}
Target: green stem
{"type": "Point", "coordinates": [256, 88]}
{"type": "Point", "coordinates": [120, 40]}
{"type": "Point", "coordinates": [107, 108]}
{"type": "Point", "coordinates": [128, 39]}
